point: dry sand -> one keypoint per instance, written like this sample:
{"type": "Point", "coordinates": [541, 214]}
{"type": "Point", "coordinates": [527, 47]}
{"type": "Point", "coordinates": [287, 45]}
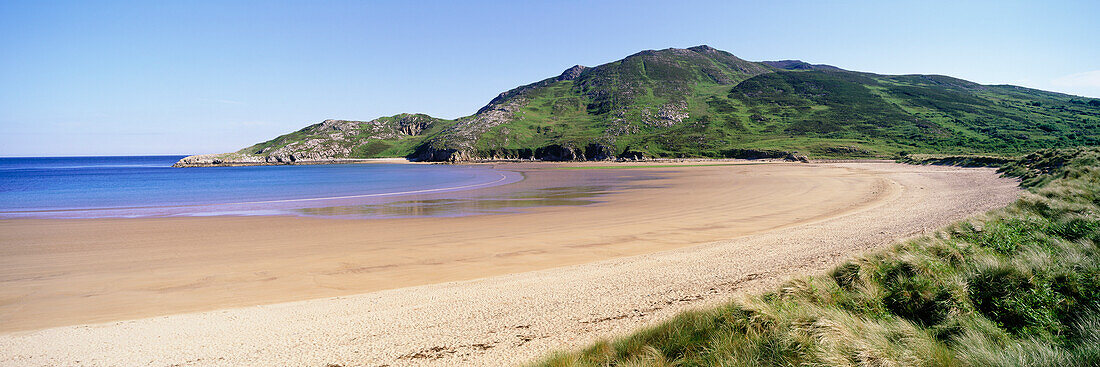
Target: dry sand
{"type": "Point", "coordinates": [773, 221]}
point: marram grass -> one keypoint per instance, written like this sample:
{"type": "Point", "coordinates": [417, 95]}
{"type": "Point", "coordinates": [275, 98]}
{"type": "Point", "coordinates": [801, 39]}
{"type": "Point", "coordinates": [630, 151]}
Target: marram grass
{"type": "Point", "coordinates": [1019, 286]}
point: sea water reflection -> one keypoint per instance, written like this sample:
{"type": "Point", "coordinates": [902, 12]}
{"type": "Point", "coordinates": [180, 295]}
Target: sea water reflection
{"type": "Point", "coordinates": [455, 207]}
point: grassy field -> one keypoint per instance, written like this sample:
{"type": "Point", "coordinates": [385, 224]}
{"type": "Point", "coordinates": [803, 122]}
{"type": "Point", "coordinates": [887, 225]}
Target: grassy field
{"type": "Point", "coordinates": [1019, 286]}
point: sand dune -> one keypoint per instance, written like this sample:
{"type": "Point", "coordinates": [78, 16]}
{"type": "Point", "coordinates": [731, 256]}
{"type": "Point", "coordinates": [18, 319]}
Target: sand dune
{"type": "Point", "coordinates": [469, 290]}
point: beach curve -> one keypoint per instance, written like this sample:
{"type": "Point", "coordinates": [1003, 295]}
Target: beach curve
{"type": "Point", "coordinates": [514, 317]}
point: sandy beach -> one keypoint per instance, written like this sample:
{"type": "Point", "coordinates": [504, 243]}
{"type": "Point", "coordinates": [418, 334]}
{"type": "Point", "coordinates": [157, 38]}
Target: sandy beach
{"type": "Point", "coordinates": [474, 290]}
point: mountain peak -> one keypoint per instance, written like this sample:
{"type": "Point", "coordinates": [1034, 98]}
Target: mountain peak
{"type": "Point", "coordinates": [703, 49]}
{"type": "Point", "coordinates": [572, 73]}
{"type": "Point", "coordinates": [690, 51]}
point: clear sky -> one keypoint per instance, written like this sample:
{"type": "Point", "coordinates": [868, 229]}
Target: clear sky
{"type": "Point", "coordinates": [186, 77]}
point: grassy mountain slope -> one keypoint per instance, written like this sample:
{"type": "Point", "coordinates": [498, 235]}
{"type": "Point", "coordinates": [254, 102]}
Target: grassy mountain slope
{"type": "Point", "coordinates": [593, 113]}
{"type": "Point", "coordinates": [845, 113]}
{"type": "Point", "coordinates": [703, 102]}
{"type": "Point", "coordinates": [392, 136]}
{"type": "Point", "coordinates": [384, 136]}
{"type": "Point", "coordinates": [798, 65]}
{"type": "Point", "coordinates": [1019, 287]}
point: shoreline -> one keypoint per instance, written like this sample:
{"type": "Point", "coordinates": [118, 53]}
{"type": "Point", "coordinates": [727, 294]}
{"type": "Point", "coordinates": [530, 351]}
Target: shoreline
{"type": "Point", "coordinates": [400, 160]}
{"type": "Point", "coordinates": [517, 315]}
{"type": "Point", "coordinates": [176, 211]}
{"type": "Point", "coordinates": [179, 163]}
{"type": "Point", "coordinates": [72, 271]}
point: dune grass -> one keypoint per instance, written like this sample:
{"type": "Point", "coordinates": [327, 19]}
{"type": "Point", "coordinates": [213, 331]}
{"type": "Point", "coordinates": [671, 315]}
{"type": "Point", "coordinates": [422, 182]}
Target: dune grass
{"type": "Point", "coordinates": [1019, 286]}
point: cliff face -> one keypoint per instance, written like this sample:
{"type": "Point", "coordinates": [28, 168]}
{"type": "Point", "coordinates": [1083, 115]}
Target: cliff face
{"type": "Point", "coordinates": [704, 102]}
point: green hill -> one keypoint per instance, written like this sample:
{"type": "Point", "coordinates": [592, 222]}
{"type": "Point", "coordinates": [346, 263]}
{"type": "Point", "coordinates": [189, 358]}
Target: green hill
{"type": "Point", "coordinates": [703, 102]}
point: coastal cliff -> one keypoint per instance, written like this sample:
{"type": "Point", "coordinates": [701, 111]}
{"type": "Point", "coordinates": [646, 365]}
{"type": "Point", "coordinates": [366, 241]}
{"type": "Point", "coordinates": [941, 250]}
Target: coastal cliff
{"type": "Point", "coordinates": [701, 102]}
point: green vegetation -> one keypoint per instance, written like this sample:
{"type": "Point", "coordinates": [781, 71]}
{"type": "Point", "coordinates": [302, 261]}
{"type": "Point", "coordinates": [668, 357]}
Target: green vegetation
{"type": "Point", "coordinates": [391, 136]}
{"type": "Point", "coordinates": [702, 102]}
{"type": "Point", "coordinates": [956, 160]}
{"type": "Point", "coordinates": [1017, 287]}
{"type": "Point", "coordinates": [706, 103]}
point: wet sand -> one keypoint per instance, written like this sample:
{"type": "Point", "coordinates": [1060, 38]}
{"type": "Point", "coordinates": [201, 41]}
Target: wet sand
{"type": "Point", "coordinates": [776, 220]}
{"type": "Point", "coordinates": [66, 272]}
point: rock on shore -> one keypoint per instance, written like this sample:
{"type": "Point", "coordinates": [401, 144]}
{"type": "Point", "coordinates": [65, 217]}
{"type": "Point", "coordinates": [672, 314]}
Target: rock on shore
{"type": "Point", "coordinates": [221, 159]}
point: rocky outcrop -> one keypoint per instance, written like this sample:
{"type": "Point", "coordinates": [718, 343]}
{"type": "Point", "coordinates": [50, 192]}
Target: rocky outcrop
{"type": "Point", "coordinates": [240, 159]}
{"type": "Point", "coordinates": [223, 159]}
{"type": "Point", "coordinates": [428, 153]}
{"type": "Point", "coordinates": [764, 154]}
{"type": "Point", "coordinates": [455, 143]}
{"type": "Point", "coordinates": [328, 141]}
{"type": "Point", "coordinates": [553, 152]}
{"type": "Point", "coordinates": [572, 73]}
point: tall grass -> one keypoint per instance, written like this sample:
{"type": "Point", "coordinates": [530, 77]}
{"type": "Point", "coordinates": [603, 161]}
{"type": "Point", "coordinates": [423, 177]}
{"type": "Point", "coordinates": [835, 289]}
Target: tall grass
{"type": "Point", "coordinates": [1019, 286]}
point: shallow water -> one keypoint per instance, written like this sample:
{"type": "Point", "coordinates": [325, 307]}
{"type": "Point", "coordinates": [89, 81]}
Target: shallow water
{"type": "Point", "coordinates": [453, 207]}
{"type": "Point", "coordinates": [146, 186]}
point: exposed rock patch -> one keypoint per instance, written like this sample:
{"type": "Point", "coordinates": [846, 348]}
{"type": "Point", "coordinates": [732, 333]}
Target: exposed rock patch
{"type": "Point", "coordinates": [328, 141]}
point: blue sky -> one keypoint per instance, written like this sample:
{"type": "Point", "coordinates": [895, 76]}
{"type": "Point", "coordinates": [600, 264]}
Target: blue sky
{"type": "Point", "coordinates": [183, 77]}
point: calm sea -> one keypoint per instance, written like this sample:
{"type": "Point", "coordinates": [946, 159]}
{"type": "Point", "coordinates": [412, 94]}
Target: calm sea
{"type": "Point", "coordinates": [142, 186]}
